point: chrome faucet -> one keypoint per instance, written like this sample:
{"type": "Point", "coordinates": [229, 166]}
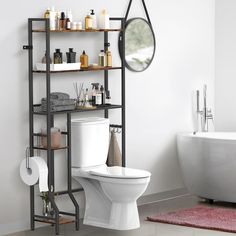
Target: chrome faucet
{"type": "Point", "coordinates": [205, 113]}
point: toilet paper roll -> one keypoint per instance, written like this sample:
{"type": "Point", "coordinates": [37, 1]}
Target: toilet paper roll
{"type": "Point", "coordinates": [38, 172]}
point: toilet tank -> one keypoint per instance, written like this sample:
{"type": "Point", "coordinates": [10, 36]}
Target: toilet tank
{"type": "Point", "coordinates": [89, 141]}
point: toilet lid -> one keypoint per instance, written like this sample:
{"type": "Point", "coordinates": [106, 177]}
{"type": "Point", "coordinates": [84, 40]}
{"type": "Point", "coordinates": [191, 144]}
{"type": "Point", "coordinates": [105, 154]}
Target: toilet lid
{"type": "Point", "coordinates": [119, 172]}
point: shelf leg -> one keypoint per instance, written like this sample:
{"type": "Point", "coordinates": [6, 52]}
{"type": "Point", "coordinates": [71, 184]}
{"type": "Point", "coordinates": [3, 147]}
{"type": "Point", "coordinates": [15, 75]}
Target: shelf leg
{"type": "Point", "coordinates": [69, 177]}
{"type": "Point", "coordinates": [123, 94]}
{"type": "Point", "coordinates": [32, 222]}
{"type": "Point", "coordinates": [31, 121]}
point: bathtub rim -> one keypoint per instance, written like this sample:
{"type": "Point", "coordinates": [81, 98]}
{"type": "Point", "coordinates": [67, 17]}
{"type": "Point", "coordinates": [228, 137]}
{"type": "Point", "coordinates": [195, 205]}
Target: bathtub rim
{"type": "Point", "coordinates": [223, 136]}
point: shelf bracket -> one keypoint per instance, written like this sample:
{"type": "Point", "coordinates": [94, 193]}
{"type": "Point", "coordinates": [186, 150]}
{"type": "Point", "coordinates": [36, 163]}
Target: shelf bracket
{"type": "Point", "coordinates": [27, 47]}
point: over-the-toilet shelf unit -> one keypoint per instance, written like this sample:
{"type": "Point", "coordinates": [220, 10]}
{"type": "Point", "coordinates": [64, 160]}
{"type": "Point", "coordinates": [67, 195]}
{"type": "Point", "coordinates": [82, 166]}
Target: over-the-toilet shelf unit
{"type": "Point", "coordinates": [33, 111]}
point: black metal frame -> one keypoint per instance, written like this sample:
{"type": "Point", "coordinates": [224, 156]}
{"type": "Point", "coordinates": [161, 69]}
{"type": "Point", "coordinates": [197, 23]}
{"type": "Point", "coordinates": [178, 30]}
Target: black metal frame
{"type": "Point", "coordinates": [50, 122]}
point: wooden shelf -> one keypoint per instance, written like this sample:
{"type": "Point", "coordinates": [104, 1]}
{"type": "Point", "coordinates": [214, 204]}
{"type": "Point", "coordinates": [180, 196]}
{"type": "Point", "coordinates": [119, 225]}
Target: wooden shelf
{"type": "Point", "coordinates": [37, 109]}
{"type": "Point", "coordinates": [45, 135]}
{"type": "Point", "coordinates": [42, 148]}
{"type": "Point", "coordinates": [62, 220]}
{"type": "Point", "coordinates": [74, 31]}
{"type": "Point", "coordinates": [97, 68]}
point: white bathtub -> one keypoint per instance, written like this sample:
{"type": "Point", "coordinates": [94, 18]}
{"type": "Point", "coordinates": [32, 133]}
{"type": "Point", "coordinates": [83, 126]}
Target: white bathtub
{"type": "Point", "coordinates": [208, 163]}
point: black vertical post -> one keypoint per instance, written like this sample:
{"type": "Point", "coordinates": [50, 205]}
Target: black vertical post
{"type": "Point", "coordinates": [123, 91]}
{"type": "Point", "coordinates": [69, 177]}
{"type": "Point", "coordinates": [106, 71]}
{"type": "Point", "coordinates": [31, 120]}
{"type": "Point", "coordinates": [49, 125]}
{"type": "Point", "coordinates": [52, 158]}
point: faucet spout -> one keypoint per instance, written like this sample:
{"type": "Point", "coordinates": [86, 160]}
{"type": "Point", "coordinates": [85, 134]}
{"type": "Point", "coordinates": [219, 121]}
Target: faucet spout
{"type": "Point", "coordinates": [205, 113]}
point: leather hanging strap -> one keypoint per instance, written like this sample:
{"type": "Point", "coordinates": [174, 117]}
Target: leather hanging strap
{"type": "Point", "coordinates": [145, 9]}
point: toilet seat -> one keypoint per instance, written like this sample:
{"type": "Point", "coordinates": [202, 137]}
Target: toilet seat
{"type": "Point", "coordinates": [119, 172]}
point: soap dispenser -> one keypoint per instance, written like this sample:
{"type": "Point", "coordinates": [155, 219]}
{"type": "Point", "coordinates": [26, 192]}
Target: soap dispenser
{"type": "Point", "coordinates": [88, 22]}
{"type": "Point", "coordinates": [94, 18]}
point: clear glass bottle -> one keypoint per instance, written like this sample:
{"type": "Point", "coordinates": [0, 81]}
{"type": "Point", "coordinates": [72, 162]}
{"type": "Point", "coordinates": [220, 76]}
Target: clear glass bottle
{"type": "Point", "coordinates": [57, 23]}
{"type": "Point", "coordinates": [86, 99]}
{"type": "Point", "coordinates": [44, 59]}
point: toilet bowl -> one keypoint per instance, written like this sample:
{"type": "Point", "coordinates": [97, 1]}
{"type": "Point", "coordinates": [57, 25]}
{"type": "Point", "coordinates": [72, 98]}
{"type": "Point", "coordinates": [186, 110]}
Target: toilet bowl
{"type": "Point", "coordinates": [110, 192]}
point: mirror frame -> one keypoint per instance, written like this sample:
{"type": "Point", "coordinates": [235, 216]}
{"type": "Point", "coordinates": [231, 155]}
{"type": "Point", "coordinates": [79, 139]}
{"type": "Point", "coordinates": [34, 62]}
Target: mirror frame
{"type": "Point", "coordinates": [154, 39]}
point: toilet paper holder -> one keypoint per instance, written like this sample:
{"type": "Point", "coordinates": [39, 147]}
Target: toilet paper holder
{"type": "Point", "coordinates": [27, 155]}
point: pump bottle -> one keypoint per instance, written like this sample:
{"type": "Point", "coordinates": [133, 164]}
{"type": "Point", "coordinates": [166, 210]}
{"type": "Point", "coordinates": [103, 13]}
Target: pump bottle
{"type": "Point", "coordinates": [94, 19]}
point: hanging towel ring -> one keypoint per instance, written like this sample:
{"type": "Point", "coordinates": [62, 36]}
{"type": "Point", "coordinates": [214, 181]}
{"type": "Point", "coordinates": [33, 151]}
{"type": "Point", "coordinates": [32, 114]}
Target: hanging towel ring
{"type": "Point", "coordinates": [145, 9]}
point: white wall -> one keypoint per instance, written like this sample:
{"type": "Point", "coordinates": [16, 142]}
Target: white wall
{"type": "Point", "coordinates": [225, 65]}
{"type": "Point", "coordinates": [158, 100]}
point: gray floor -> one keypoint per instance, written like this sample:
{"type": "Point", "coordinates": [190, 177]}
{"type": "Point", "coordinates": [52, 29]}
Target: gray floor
{"type": "Point", "coordinates": [146, 229]}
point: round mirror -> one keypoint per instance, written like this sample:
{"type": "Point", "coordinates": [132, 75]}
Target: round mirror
{"type": "Point", "coordinates": [140, 44]}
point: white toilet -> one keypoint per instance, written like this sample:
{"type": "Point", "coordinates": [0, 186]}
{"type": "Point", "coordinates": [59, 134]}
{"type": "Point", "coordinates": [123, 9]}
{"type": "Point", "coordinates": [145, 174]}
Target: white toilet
{"type": "Point", "coordinates": [110, 192]}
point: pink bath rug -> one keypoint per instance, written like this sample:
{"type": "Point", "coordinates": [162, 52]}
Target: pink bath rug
{"type": "Point", "coordinates": [212, 218]}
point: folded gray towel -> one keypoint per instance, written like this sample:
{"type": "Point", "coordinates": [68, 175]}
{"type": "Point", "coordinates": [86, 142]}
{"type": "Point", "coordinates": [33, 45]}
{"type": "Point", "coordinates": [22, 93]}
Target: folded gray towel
{"type": "Point", "coordinates": [59, 108]}
{"type": "Point", "coordinates": [58, 102]}
{"type": "Point", "coordinates": [59, 95]}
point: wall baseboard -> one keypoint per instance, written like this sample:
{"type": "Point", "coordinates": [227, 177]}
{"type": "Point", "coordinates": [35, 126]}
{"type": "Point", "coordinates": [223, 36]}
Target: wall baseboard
{"type": "Point", "coordinates": [156, 197]}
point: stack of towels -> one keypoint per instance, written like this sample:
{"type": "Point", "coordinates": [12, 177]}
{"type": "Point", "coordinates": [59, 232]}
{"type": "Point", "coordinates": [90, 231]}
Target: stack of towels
{"type": "Point", "coordinates": [59, 102]}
